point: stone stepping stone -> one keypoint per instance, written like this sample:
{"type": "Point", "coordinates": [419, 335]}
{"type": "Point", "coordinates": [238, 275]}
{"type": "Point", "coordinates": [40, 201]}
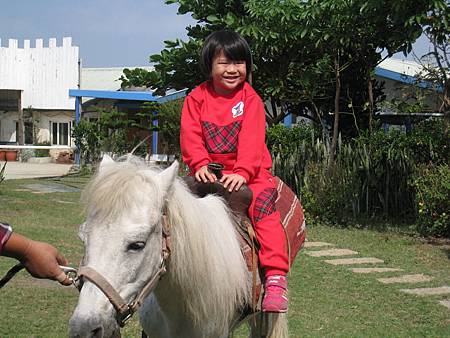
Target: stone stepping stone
{"type": "Point", "coordinates": [349, 261]}
{"type": "Point", "coordinates": [66, 202]}
{"type": "Point", "coordinates": [316, 244]}
{"type": "Point", "coordinates": [331, 252]}
{"type": "Point", "coordinates": [446, 303]}
{"type": "Point", "coordinates": [406, 279]}
{"type": "Point", "coordinates": [49, 187]}
{"type": "Point", "coordinates": [443, 290]}
{"type": "Point", "coordinates": [374, 270]}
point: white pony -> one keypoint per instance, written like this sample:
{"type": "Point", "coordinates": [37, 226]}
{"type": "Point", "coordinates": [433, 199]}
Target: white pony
{"type": "Point", "coordinates": [207, 283]}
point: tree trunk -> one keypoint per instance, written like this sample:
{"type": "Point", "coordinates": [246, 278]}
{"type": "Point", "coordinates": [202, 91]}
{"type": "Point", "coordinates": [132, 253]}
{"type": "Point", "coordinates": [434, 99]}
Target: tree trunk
{"type": "Point", "coordinates": [337, 96]}
{"type": "Point", "coordinates": [446, 107]}
{"type": "Point", "coordinates": [370, 92]}
{"type": "Point", "coordinates": [319, 117]}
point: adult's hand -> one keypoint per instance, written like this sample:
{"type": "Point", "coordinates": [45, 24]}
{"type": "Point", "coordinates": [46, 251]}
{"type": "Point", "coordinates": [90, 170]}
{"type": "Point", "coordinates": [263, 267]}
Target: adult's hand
{"type": "Point", "coordinates": [41, 259]}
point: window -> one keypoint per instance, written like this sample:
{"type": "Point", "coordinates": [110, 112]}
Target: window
{"type": "Point", "coordinates": [60, 133]}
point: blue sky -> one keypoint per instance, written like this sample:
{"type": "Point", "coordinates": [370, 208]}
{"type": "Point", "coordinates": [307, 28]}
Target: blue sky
{"type": "Point", "coordinates": [109, 32]}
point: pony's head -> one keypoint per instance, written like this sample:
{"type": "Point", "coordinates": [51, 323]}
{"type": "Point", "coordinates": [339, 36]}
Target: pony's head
{"type": "Point", "coordinates": [122, 236]}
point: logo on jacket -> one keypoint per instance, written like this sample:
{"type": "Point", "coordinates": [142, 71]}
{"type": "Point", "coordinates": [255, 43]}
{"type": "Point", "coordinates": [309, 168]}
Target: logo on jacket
{"type": "Point", "coordinates": [238, 109]}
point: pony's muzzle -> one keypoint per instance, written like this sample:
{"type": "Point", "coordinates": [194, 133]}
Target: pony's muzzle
{"type": "Point", "coordinates": [87, 327]}
{"type": "Point", "coordinates": [91, 325]}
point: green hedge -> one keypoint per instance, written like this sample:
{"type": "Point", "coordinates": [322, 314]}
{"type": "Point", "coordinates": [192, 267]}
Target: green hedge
{"type": "Point", "coordinates": [374, 175]}
{"type": "Point", "coordinates": [432, 186]}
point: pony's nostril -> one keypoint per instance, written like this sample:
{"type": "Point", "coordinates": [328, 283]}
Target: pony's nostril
{"type": "Point", "coordinates": [97, 333]}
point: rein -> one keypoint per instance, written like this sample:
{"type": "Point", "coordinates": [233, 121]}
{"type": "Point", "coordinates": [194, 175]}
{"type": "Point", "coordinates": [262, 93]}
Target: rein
{"type": "Point", "coordinates": [126, 310]}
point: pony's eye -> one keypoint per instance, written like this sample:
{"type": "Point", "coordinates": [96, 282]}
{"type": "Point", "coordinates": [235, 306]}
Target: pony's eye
{"type": "Point", "coordinates": [136, 246]}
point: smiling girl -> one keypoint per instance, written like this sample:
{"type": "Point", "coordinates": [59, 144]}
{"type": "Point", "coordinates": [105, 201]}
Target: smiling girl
{"type": "Point", "coordinates": [223, 121]}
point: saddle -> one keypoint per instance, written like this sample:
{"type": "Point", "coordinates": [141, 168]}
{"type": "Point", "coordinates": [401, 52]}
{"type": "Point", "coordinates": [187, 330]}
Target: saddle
{"type": "Point", "coordinates": [292, 219]}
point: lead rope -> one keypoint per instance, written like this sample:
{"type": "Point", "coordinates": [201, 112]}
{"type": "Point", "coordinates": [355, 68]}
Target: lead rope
{"type": "Point", "coordinates": [10, 274]}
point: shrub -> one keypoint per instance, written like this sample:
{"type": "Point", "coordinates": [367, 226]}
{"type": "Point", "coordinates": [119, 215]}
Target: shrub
{"type": "Point", "coordinates": [42, 152]}
{"type": "Point", "coordinates": [26, 154]}
{"type": "Point", "coordinates": [87, 139]}
{"type": "Point", "coordinates": [432, 186]}
{"type": "Point", "coordinates": [372, 174]}
{"type": "Point", "coordinates": [428, 142]}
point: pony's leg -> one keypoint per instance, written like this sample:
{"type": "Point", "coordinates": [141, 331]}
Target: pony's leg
{"type": "Point", "coordinates": [268, 325]}
{"type": "Point", "coordinates": [279, 327]}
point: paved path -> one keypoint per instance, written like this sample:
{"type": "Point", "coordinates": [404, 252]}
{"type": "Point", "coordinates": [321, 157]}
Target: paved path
{"type": "Point", "coordinates": [323, 250]}
{"type": "Point", "coordinates": [16, 170]}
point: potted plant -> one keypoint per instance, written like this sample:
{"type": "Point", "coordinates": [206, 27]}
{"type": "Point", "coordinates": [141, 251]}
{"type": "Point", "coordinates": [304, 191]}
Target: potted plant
{"type": "Point", "coordinates": [11, 155]}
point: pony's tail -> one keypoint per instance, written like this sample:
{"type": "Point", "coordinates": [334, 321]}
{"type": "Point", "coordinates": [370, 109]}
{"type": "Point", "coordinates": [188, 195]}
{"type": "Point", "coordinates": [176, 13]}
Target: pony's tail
{"type": "Point", "coordinates": [280, 326]}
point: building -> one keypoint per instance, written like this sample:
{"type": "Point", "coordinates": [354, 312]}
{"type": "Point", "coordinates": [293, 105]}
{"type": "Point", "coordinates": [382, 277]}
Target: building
{"type": "Point", "coordinates": [35, 106]}
{"type": "Point", "coordinates": [34, 81]}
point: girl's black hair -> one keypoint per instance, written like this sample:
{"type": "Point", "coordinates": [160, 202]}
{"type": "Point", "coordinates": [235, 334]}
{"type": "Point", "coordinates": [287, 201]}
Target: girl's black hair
{"type": "Point", "coordinates": [233, 46]}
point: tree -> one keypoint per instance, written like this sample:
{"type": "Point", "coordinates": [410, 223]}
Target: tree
{"type": "Point", "coordinates": [310, 56]}
{"type": "Point", "coordinates": [436, 64]}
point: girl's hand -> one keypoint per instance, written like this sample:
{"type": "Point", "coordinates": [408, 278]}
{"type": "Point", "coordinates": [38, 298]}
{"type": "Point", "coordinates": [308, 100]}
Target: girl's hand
{"type": "Point", "coordinates": [233, 181]}
{"type": "Point", "coordinates": [203, 174]}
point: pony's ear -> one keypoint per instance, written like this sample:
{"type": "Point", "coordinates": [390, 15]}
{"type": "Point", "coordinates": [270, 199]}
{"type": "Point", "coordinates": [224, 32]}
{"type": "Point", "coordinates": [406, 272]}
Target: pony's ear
{"type": "Point", "coordinates": [106, 161]}
{"type": "Point", "coordinates": [167, 176]}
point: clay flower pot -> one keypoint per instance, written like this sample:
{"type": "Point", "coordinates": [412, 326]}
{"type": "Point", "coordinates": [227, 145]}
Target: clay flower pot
{"type": "Point", "coordinates": [11, 155]}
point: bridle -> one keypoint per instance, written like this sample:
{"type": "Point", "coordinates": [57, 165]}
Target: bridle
{"type": "Point", "coordinates": [126, 310]}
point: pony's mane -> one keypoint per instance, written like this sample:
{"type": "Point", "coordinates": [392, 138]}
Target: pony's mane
{"type": "Point", "coordinates": [114, 187]}
{"type": "Point", "coordinates": [206, 260]}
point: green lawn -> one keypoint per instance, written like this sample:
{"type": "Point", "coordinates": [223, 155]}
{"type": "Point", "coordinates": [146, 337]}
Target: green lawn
{"type": "Point", "coordinates": [326, 301]}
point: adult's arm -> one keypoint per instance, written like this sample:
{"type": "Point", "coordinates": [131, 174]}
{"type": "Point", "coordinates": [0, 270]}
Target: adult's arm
{"type": "Point", "coordinates": [41, 259]}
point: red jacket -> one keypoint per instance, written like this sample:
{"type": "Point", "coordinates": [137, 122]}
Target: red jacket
{"type": "Point", "coordinates": [229, 129]}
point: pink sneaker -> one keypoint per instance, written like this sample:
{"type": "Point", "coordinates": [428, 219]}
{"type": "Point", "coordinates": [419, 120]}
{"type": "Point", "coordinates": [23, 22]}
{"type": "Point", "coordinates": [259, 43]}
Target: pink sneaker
{"type": "Point", "coordinates": [275, 294]}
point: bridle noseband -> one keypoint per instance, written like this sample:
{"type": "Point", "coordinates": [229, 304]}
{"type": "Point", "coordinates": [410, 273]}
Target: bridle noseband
{"type": "Point", "coordinates": [126, 310]}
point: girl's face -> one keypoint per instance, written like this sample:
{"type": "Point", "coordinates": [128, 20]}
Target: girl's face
{"type": "Point", "coordinates": [226, 74]}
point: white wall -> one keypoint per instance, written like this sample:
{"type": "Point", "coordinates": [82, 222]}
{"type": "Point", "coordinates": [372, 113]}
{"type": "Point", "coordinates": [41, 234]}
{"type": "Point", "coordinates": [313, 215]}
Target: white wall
{"type": "Point", "coordinates": [44, 74]}
{"type": "Point", "coordinates": [394, 89]}
{"type": "Point", "coordinates": [42, 122]}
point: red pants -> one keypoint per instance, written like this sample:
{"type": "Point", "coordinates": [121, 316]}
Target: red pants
{"type": "Point", "coordinates": [273, 254]}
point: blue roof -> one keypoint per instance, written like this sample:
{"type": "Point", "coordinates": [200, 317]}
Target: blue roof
{"type": "Point", "coordinates": [403, 78]}
{"type": "Point", "coordinates": [125, 95]}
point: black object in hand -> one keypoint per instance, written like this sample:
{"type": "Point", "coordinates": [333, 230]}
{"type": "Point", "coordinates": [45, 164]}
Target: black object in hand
{"type": "Point", "coordinates": [216, 169]}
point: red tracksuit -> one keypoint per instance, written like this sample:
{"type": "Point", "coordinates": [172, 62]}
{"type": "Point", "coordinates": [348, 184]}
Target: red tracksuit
{"type": "Point", "coordinates": [230, 129]}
